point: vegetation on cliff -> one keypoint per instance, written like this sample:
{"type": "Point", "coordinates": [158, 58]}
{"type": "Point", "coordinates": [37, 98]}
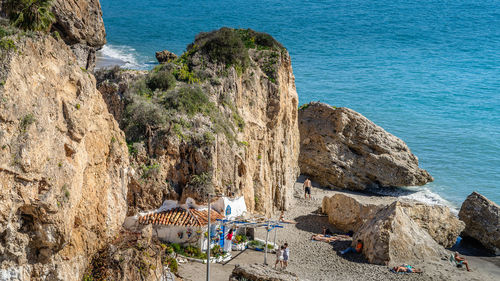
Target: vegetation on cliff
{"type": "Point", "coordinates": [32, 15]}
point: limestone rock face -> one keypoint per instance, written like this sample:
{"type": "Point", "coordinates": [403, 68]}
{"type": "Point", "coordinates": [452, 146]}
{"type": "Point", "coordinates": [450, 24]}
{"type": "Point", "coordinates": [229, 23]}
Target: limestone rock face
{"type": "Point", "coordinates": [165, 56]}
{"type": "Point", "coordinates": [482, 221]}
{"type": "Point", "coordinates": [349, 212]}
{"type": "Point", "coordinates": [259, 272]}
{"type": "Point", "coordinates": [80, 24]}
{"type": "Point", "coordinates": [63, 163]}
{"type": "Point", "coordinates": [254, 154]}
{"type": "Point", "coordinates": [341, 148]}
{"type": "Point", "coordinates": [393, 237]}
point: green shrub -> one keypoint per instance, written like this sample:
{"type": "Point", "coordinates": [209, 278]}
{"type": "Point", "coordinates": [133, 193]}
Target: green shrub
{"type": "Point", "coordinates": [7, 44]}
{"type": "Point", "coordinates": [32, 15]}
{"type": "Point", "coordinates": [172, 264]}
{"type": "Point", "coordinates": [131, 149]}
{"type": "Point", "coordinates": [304, 106]}
{"type": "Point", "coordinates": [177, 248]}
{"type": "Point", "coordinates": [188, 99]}
{"type": "Point", "coordinates": [184, 74]}
{"type": "Point", "coordinates": [148, 171]}
{"type": "Point", "coordinates": [208, 137]}
{"type": "Point", "coordinates": [201, 179]}
{"type": "Point", "coordinates": [26, 121]}
{"type": "Point", "coordinates": [162, 80]}
{"type": "Point", "coordinates": [224, 46]}
{"type": "Point", "coordinates": [140, 114]}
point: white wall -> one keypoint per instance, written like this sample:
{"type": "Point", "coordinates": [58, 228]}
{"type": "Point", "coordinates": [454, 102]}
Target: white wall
{"type": "Point", "coordinates": [171, 234]}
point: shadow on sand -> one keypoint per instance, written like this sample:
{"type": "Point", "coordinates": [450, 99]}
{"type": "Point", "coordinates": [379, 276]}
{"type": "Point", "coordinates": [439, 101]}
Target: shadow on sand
{"type": "Point", "coordinates": [314, 223]}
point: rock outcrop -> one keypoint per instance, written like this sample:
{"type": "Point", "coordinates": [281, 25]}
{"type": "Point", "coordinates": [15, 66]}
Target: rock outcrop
{"type": "Point", "coordinates": [482, 221]}
{"type": "Point", "coordinates": [392, 236]}
{"type": "Point", "coordinates": [131, 257]}
{"type": "Point", "coordinates": [259, 272]}
{"type": "Point", "coordinates": [63, 163]}
{"type": "Point", "coordinates": [165, 56]}
{"type": "Point", "coordinates": [201, 123]}
{"type": "Point", "coordinates": [350, 212]}
{"type": "Point", "coordinates": [80, 25]}
{"type": "Point", "coordinates": [340, 148]}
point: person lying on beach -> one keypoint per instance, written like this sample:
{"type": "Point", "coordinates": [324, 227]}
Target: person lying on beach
{"type": "Point", "coordinates": [461, 260]}
{"type": "Point", "coordinates": [281, 219]}
{"type": "Point", "coordinates": [358, 249]}
{"type": "Point", "coordinates": [329, 238]}
{"type": "Point", "coordinates": [406, 268]}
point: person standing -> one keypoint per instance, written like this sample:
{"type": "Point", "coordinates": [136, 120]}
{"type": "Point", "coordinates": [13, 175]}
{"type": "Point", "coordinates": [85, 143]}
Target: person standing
{"type": "Point", "coordinates": [279, 257]}
{"type": "Point", "coordinates": [228, 242]}
{"type": "Point", "coordinates": [307, 188]}
{"type": "Point", "coordinates": [286, 255]}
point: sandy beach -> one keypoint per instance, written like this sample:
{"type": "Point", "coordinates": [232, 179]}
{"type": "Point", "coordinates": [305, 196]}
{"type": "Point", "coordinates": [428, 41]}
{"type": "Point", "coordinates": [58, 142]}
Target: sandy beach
{"type": "Point", "coordinates": [313, 260]}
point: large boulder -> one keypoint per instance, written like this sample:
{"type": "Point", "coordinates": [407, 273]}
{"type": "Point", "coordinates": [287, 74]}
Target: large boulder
{"type": "Point", "coordinates": [349, 212]}
{"type": "Point", "coordinates": [260, 272]}
{"type": "Point", "coordinates": [438, 220]}
{"type": "Point", "coordinates": [482, 221]}
{"type": "Point", "coordinates": [63, 163]}
{"type": "Point", "coordinates": [392, 236]}
{"type": "Point", "coordinates": [340, 148]}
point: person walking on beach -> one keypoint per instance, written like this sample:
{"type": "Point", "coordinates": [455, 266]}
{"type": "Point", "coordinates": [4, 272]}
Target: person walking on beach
{"type": "Point", "coordinates": [286, 255]}
{"type": "Point", "coordinates": [307, 188]}
{"type": "Point", "coordinates": [279, 257]}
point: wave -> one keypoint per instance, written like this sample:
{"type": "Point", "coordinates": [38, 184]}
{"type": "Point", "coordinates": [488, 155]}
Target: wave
{"type": "Point", "coordinates": [418, 193]}
{"type": "Point", "coordinates": [123, 56]}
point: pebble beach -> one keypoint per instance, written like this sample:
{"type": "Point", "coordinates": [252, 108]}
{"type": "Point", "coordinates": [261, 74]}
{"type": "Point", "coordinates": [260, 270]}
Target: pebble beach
{"type": "Point", "coordinates": [316, 261]}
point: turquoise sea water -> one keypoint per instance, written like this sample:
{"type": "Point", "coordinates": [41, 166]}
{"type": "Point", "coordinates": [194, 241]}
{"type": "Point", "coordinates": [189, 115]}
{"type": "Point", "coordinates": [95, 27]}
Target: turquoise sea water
{"type": "Point", "coordinates": [427, 71]}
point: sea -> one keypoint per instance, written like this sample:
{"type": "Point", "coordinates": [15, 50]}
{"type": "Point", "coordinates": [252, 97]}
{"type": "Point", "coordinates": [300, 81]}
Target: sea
{"type": "Point", "coordinates": [427, 71]}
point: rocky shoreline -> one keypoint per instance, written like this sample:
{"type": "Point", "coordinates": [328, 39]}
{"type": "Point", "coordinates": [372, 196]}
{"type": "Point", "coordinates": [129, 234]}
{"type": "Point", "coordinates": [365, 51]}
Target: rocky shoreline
{"type": "Point", "coordinates": [315, 260]}
{"type": "Point", "coordinates": [81, 150]}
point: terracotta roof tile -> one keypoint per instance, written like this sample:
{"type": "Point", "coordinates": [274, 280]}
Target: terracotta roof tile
{"type": "Point", "coordinates": [180, 217]}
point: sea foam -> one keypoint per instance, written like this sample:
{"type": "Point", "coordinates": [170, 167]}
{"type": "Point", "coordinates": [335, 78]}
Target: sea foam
{"type": "Point", "coordinates": [123, 56]}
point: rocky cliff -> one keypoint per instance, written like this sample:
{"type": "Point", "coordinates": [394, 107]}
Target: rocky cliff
{"type": "Point", "coordinates": [340, 148]}
{"type": "Point", "coordinates": [80, 25]}
{"type": "Point", "coordinates": [63, 163]}
{"type": "Point", "coordinates": [221, 117]}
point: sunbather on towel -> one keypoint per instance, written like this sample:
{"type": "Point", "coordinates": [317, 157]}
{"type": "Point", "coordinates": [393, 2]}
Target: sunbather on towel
{"type": "Point", "coordinates": [406, 268]}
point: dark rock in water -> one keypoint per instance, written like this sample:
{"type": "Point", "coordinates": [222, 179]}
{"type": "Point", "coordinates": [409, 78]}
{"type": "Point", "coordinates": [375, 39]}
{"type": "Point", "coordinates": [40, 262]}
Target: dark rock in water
{"type": "Point", "coordinates": [259, 272]}
{"type": "Point", "coordinates": [482, 221]}
{"type": "Point", "coordinates": [341, 148]}
{"type": "Point", "coordinates": [165, 56]}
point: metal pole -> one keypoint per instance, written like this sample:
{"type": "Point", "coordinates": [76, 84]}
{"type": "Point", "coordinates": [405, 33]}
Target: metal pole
{"type": "Point", "coordinates": [265, 246]}
{"type": "Point", "coordinates": [275, 230]}
{"type": "Point", "coordinates": [208, 239]}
